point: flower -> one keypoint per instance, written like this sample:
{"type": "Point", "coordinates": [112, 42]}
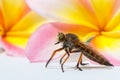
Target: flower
{"type": "Point", "coordinates": [17, 23]}
{"type": "Point", "coordinates": [86, 18]}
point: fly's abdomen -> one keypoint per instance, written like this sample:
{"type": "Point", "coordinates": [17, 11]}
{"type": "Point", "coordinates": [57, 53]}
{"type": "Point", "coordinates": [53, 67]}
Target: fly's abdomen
{"type": "Point", "coordinates": [96, 57]}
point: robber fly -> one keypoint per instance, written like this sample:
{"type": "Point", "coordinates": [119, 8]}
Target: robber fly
{"type": "Point", "coordinates": [72, 44]}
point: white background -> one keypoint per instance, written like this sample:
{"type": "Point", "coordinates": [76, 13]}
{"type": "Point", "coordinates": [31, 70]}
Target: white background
{"type": "Point", "coordinates": [12, 68]}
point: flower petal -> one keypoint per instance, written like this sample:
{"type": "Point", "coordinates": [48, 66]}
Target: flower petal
{"type": "Point", "coordinates": [29, 22]}
{"type": "Point", "coordinates": [17, 37]}
{"type": "Point", "coordinates": [19, 40]}
{"type": "Point", "coordinates": [41, 44]}
{"type": "Point", "coordinates": [19, 34]}
{"type": "Point", "coordinates": [1, 23]}
{"type": "Point", "coordinates": [114, 33]}
{"type": "Point", "coordinates": [109, 47]}
{"type": "Point", "coordinates": [12, 50]}
{"type": "Point", "coordinates": [103, 10]}
{"type": "Point", "coordinates": [12, 10]}
{"type": "Point", "coordinates": [116, 7]}
{"type": "Point", "coordinates": [114, 22]}
{"type": "Point", "coordinates": [1, 17]}
{"type": "Point", "coordinates": [68, 11]}
{"type": "Point", "coordinates": [1, 30]}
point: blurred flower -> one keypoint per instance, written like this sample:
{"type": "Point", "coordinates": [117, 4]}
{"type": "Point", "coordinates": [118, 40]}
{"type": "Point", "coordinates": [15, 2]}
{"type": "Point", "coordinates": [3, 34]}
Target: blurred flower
{"type": "Point", "coordinates": [99, 19]}
{"type": "Point", "coordinates": [17, 23]}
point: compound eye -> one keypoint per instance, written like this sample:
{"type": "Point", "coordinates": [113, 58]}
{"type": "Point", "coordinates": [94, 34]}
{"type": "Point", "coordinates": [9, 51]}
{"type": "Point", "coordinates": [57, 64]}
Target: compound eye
{"type": "Point", "coordinates": [60, 38]}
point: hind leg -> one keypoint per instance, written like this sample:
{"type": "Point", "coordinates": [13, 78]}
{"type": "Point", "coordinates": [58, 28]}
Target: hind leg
{"type": "Point", "coordinates": [79, 60]}
{"type": "Point", "coordinates": [83, 63]}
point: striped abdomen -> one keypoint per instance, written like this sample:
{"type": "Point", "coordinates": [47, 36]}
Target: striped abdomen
{"type": "Point", "coordinates": [94, 55]}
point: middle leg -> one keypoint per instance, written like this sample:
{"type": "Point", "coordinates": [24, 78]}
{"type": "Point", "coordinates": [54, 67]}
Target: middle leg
{"type": "Point", "coordinates": [66, 50]}
{"type": "Point", "coordinates": [62, 57]}
{"type": "Point", "coordinates": [64, 62]}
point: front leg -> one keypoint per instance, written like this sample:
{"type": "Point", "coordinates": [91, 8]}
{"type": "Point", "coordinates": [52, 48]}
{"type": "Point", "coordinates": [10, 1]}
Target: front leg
{"type": "Point", "coordinates": [53, 55]}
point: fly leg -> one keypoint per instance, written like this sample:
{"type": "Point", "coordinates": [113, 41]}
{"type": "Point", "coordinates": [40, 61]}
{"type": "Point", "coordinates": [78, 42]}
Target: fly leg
{"type": "Point", "coordinates": [67, 53]}
{"type": "Point", "coordinates": [79, 57]}
{"type": "Point", "coordinates": [62, 57]}
{"type": "Point", "coordinates": [65, 59]}
{"type": "Point", "coordinates": [70, 50]}
{"type": "Point", "coordinates": [53, 56]}
{"type": "Point", "coordinates": [83, 63]}
{"type": "Point", "coordinates": [79, 61]}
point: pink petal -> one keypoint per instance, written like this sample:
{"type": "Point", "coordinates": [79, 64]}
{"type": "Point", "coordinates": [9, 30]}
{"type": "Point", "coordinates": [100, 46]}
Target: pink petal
{"type": "Point", "coordinates": [41, 44]}
{"type": "Point", "coordinates": [116, 7]}
{"type": "Point", "coordinates": [12, 50]}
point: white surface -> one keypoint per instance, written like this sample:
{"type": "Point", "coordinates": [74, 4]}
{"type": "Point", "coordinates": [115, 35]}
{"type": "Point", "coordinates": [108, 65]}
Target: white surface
{"type": "Point", "coordinates": [20, 69]}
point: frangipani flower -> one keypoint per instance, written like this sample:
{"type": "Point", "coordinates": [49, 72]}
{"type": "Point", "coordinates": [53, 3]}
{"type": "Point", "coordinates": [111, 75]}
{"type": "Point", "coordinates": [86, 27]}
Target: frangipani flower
{"type": "Point", "coordinates": [99, 19]}
{"type": "Point", "coordinates": [17, 23]}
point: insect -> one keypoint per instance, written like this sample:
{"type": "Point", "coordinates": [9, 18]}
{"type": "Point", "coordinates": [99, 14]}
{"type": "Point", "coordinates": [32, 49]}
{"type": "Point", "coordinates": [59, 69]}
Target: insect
{"type": "Point", "coordinates": [72, 44]}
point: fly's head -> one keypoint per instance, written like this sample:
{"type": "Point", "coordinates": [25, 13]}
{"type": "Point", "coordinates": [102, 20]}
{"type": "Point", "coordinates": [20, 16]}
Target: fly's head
{"type": "Point", "coordinates": [60, 37]}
